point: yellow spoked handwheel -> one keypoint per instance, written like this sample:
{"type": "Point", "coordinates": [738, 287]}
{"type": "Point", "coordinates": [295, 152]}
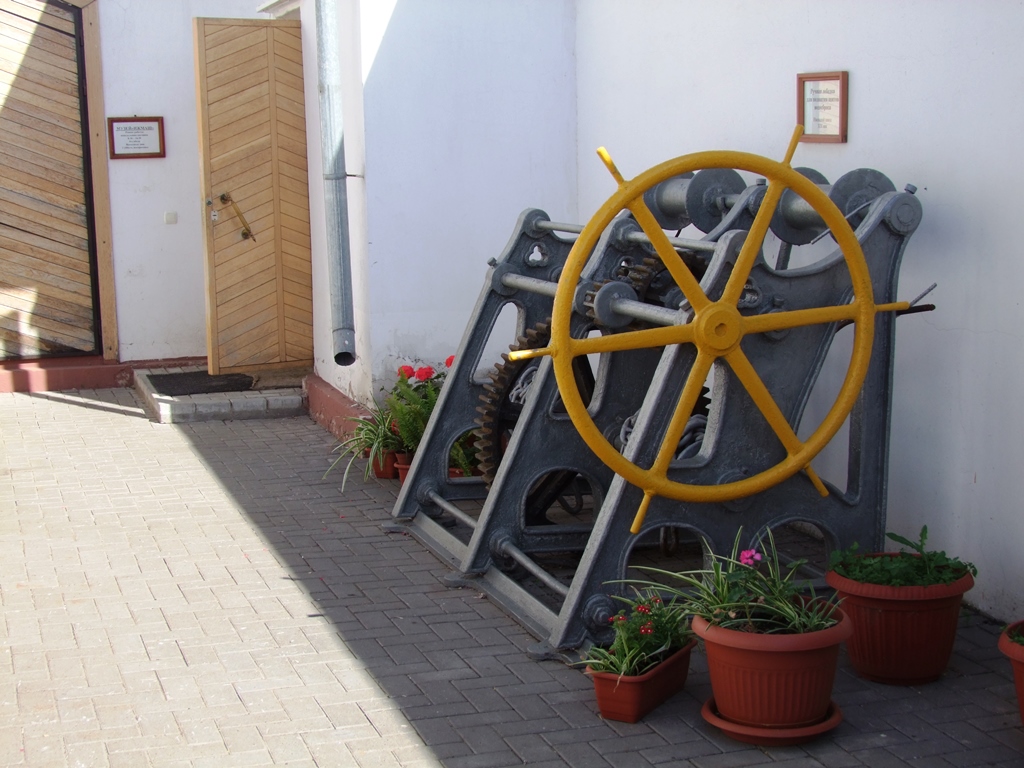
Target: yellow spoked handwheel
{"type": "Point", "coordinates": [716, 328]}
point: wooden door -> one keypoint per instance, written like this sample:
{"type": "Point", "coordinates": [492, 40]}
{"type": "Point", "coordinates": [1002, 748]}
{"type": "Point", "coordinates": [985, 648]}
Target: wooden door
{"type": "Point", "coordinates": [252, 138]}
{"type": "Point", "coordinates": [47, 247]}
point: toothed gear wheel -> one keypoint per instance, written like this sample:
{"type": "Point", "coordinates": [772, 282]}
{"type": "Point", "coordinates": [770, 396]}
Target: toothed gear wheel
{"type": "Point", "coordinates": [503, 399]}
{"type": "Point", "coordinates": [588, 300]}
{"type": "Point", "coordinates": [502, 403]}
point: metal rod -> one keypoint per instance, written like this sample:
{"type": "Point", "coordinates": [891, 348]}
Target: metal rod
{"type": "Point", "coordinates": [556, 226]}
{"type": "Point", "coordinates": [924, 293]}
{"type": "Point", "coordinates": [678, 242]}
{"type": "Point", "coordinates": [451, 509]}
{"type": "Point", "coordinates": [652, 314]}
{"type": "Point", "coordinates": [632, 237]}
{"type": "Point", "coordinates": [635, 309]}
{"type": "Point", "coordinates": [531, 284]}
{"type": "Point", "coordinates": [507, 548]}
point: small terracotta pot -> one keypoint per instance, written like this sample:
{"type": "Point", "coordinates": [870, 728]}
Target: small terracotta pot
{"type": "Point", "coordinates": [773, 682]}
{"type": "Point", "coordinates": [627, 698]}
{"type": "Point", "coordinates": [1015, 652]}
{"type": "Point", "coordinates": [402, 463]}
{"type": "Point", "coordinates": [901, 635]}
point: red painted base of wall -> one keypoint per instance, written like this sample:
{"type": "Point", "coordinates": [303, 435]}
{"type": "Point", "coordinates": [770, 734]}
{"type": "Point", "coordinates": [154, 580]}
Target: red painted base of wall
{"type": "Point", "coordinates": [56, 374]}
{"type": "Point", "coordinates": [330, 408]}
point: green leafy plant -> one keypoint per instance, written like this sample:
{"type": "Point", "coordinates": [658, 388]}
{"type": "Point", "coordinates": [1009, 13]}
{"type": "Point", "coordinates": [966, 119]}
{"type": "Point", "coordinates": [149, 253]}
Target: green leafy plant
{"type": "Point", "coordinates": [411, 402]}
{"type": "Point", "coordinates": [647, 632]}
{"type": "Point", "coordinates": [463, 455]}
{"type": "Point", "coordinates": [753, 592]}
{"type": "Point", "coordinates": [916, 568]}
{"type": "Point", "coordinates": [1016, 635]}
{"type": "Point", "coordinates": [372, 436]}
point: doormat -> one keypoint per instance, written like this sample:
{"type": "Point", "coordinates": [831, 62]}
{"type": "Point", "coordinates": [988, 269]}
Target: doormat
{"type": "Point", "coordinates": [198, 383]}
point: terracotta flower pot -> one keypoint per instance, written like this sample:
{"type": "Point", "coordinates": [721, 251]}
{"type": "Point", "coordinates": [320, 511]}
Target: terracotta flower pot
{"type": "Point", "coordinates": [628, 698]}
{"type": "Point", "coordinates": [901, 635]}
{"type": "Point", "coordinates": [402, 463]}
{"type": "Point", "coordinates": [384, 466]}
{"type": "Point", "coordinates": [1015, 652]}
{"type": "Point", "coordinates": [772, 689]}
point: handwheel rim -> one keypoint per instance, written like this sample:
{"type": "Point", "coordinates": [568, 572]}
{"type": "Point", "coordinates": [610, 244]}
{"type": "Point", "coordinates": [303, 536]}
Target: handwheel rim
{"type": "Point", "coordinates": [657, 483]}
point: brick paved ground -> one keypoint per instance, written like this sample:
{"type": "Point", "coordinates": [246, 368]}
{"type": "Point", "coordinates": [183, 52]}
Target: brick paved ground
{"type": "Point", "coordinates": [198, 596]}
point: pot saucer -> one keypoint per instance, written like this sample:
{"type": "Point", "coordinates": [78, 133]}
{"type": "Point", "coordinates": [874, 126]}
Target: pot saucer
{"type": "Point", "coordinates": [771, 737]}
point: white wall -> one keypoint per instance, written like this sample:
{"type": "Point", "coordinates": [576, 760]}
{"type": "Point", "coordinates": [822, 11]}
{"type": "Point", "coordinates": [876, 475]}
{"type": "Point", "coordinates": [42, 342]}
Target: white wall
{"type": "Point", "coordinates": [158, 268]}
{"type": "Point", "coordinates": [933, 102]}
{"type": "Point", "coordinates": [469, 115]}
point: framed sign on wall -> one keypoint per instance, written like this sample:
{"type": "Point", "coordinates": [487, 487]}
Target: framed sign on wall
{"type": "Point", "coordinates": [135, 137]}
{"type": "Point", "coordinates": [821, 105]}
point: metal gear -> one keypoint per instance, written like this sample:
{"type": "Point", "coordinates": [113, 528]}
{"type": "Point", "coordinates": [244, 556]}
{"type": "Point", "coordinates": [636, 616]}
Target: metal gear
{"type": "Point", "coordinates": [502, 403]}
{"type": "Point", "coordinates": [503, 399]}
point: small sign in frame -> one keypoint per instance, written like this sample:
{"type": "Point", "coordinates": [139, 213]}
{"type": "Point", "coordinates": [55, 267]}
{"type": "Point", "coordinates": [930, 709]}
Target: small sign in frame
{"type": "Point", "coordinates": [135, 137]}
{"type": "Point", "coordinates": [821, 106]}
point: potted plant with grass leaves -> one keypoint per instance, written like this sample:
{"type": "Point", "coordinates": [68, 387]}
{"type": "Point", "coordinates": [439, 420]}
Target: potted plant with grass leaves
{"type": "Point", "coordinates": [1011, 643]}
{"type": "Point", "coordinates": [905, 607]}
{"type": "Point", "coordinates": [374, 438]}
{"type": "Point", "coordinates": [648, 660]}
{"type": "Point", "coordinates": [772, 646]}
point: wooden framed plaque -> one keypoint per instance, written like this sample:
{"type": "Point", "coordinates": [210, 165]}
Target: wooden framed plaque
{"type": "Point", "coordinates": [135, 137]}
{"type": "Point", "coordinates": [821, 105]}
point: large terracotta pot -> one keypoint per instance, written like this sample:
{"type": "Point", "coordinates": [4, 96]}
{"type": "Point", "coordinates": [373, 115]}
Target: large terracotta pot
{"type": "Point", "coordinates": [628, 698]}
{"type": "Point", "coordinates": [1015, 652]}
{"type": "Point", "coordinates": [772, 689]}
{"type": "Point", "coordinates": [901, 635]}
{"type": "Point", "coordinates": [384, 466]}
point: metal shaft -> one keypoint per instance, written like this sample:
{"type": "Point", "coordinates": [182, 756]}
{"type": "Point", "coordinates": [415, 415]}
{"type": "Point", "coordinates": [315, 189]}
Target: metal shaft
{"type": "Point", "coordinates": [633, 237]}
{"type": "Point", "coordinates": [451, 509]}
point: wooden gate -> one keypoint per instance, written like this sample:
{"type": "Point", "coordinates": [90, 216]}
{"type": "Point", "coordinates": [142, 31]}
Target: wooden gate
{"type": "Point", "coordinates": [252, 138]}
{"type": "Point", "coordinates": [48, 291]}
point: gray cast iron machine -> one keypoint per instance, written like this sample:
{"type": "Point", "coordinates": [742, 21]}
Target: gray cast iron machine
{"type": "Point", "coordinates": [671, 377]}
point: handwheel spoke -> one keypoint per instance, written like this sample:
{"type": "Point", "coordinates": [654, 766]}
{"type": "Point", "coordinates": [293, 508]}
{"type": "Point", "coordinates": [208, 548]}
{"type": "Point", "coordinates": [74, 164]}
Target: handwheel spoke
{"type": "Point", "coordinates": [763, 400]}
{"type": "Point", "coordinates": [777, 321]}
{"type": "Point", "coordinates": [752, 245]}
{"type": "Point", "coordinates": [673, 262]}
{"type": "Point", "coordinates": [619, 342]}
{"type": "Point", "coordinates": [684, 409]}
{"type": "Point", "coordinates": [677, 425]}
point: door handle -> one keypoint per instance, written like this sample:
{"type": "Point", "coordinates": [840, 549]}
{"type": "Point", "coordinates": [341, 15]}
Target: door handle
{"type": "Point", "coordinates": [246, 230]}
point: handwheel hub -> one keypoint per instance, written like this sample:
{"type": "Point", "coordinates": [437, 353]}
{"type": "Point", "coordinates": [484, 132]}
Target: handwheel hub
{"type": "Point", "coordinates": [718, 329]}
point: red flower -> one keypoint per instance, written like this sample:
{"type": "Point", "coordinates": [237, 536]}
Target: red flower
{"type": "Point", "coordinates": [424, 373]}
{"type": "Point", "coordinates": [449, 360]}
{"type": "Point", "coordinates": [406, 371]}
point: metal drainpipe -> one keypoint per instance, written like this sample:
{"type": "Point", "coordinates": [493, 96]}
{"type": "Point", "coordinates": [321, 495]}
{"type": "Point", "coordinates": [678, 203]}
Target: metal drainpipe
{"type": "Point", "coordinates": [335, 179]}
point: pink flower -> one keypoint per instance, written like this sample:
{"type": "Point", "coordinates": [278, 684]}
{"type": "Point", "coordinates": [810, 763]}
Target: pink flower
{"type": "Point", "coordinates": [424, 373]}
{"type": "Point", "coordinates": [406, 371]}
{"type": "Point", "coordinates": [750, 556]}
{"type": "Point", "coordinates": [449, 360]}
